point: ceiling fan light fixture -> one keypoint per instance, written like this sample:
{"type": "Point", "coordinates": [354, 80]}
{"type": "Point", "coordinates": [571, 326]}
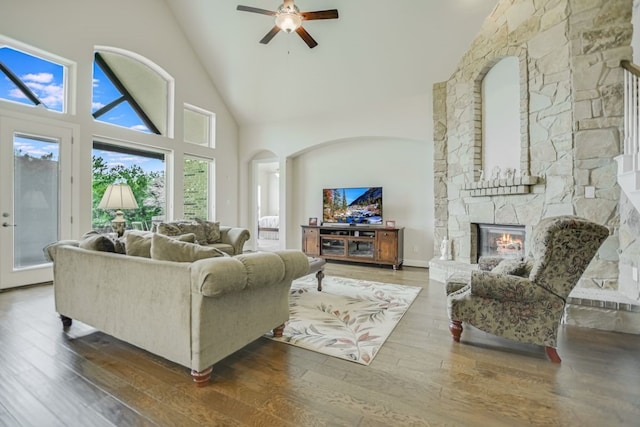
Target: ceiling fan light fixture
{"type": "Point", "coordinates": [288, 18]}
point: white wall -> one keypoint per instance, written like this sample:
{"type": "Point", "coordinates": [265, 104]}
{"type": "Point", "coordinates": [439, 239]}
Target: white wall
{"type": "Point", "coordinates": [403, 131]}
{"type": "Point", "coordinates": [368, 162]}
{"type": "Point", "coordinates": [71, 29]}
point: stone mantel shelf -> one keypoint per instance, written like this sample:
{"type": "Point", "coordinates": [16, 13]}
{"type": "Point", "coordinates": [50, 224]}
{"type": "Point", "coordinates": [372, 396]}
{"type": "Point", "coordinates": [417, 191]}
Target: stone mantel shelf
{"type": "Point", "coordinates": [502, 186]}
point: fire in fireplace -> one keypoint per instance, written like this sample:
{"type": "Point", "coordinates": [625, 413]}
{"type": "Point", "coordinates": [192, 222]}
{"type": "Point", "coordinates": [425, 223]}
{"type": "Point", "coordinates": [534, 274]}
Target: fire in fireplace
{"type": "Point", "coordinates": [506, 241]}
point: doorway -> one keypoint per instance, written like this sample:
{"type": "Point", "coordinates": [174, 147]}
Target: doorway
{"type": "Point", "coordinates": [35, 160]}
{"type": "Point", "coordinates": [267, 202]}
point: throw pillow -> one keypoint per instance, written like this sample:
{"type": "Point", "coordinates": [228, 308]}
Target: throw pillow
{"type": "Point", "coordinates": [138, 243]}
{"type": "Point", "coordinates": [120, 246]}
{"type": "Point", "coordinates": [96, 242]}
{"type": "Point", "coordinates": [177, 228]}
{"type": "Point", "coordinates": [167, 249]}
{"type": "Point", "coordinates": [211, 230]}
{"type": "Point", "coordinates": [514, 267]}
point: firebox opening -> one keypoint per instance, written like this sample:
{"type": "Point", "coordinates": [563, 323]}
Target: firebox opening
{"type": "Point", "coordinates": [501, 240]}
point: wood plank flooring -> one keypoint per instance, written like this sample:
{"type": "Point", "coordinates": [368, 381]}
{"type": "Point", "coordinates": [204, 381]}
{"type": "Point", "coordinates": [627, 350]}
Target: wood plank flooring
{"type": "Point", "coordinates": [419, 378]}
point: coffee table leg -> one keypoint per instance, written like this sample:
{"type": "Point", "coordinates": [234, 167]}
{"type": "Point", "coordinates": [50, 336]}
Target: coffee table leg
{"type": "Point", "coordinates": [320, 276]}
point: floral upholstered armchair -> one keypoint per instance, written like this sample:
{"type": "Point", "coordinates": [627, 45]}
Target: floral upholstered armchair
{"type": "Point", "coordinates": [524, 300]}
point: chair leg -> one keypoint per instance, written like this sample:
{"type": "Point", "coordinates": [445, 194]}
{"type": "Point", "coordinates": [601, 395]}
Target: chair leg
{"type": "Point", "coordinates": [552, 354]}
{"type": "Point", "coordinates": [455, 327]}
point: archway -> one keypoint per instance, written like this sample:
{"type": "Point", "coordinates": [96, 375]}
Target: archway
{"type": "Point", "coordinates": [266, 202]}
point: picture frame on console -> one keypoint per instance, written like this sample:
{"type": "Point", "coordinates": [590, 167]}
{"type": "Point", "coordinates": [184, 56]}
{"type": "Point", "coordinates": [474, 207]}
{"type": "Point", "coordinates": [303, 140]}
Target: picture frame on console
{"type": "Point", "coordinates": [390, 223]}
{"type": "Point", "coordinates": [313, 221]}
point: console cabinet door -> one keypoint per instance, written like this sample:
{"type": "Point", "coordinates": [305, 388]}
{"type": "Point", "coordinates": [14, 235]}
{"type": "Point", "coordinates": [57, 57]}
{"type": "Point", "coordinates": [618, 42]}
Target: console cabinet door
{"type": "Point", "coordinates": [387, 246]}
{"type": "Point", "coordinates": [311, 241]}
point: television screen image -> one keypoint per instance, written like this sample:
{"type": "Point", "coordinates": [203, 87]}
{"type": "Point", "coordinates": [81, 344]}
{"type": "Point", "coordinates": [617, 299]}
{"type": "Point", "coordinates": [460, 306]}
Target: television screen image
{"type": "Point", "coordinates": [357, 205]}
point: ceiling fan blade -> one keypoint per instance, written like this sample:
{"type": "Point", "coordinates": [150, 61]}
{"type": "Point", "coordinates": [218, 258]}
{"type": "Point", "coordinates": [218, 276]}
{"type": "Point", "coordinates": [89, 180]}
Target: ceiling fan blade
{"type": "Point", "coordinates": [256, 10]}
{"type": "Point", "coordinates": [306, 37]}
{"type": "Point", "coordinates": [320, 14]}
{"type": "Point", "coordinates": [271, 34]}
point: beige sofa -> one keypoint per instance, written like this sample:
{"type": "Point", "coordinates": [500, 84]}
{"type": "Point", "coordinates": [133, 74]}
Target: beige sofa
{"type": "Point", "coordinates": [228, 239]}
{"type": "Point", "coordinates": [191, 313]}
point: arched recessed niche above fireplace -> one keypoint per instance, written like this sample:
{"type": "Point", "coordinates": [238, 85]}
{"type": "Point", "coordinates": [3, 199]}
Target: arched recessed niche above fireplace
{"type": "Point", "coordinates": [501, 149]}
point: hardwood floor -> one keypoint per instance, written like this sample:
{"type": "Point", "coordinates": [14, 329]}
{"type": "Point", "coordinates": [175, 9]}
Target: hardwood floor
{"type": "Point", "coordinates": [420, 376]}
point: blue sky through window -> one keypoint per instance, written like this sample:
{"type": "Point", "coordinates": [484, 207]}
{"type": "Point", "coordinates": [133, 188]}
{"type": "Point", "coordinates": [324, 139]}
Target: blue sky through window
{"type": "Point", "coordinates": [36, 148]}
{"type": "Point", "coordinates": [103, 93]}
{"type": "Point", "coordinates": [44, 78]}
{"type": "Point", "coordinates": [113, 159]}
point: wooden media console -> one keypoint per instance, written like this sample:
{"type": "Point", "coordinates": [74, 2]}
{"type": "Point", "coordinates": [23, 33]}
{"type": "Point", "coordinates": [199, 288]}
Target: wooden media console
{"type": "Point", "coordinates": [367, 244]}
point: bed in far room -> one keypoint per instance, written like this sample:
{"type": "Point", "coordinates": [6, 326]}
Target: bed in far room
{"type": "Point", "coordinates": [269, 227]}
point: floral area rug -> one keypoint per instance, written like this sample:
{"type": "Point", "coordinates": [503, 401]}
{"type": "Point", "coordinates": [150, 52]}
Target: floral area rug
{"type": "Point", "coordinates": [350, 319]}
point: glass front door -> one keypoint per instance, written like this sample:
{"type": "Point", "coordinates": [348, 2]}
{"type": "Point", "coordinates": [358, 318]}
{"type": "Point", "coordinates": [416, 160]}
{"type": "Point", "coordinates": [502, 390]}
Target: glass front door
{"type": "Point", "coordinates": [31, 207]}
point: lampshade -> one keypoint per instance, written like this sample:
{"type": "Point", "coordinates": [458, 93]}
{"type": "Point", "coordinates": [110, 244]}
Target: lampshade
{"type": "Point", "coordinates": [118, 196]}
{"type": "Point", "coordinates": [288, 18]}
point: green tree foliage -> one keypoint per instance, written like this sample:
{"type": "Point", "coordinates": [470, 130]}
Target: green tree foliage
{"type": "Point", "coordinates": [146, 187]}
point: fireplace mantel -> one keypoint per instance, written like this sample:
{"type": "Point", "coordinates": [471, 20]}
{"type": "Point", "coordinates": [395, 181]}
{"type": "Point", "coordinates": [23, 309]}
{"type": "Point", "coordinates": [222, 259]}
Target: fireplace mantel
{"type": "Point", "coordinates": [502, 186]}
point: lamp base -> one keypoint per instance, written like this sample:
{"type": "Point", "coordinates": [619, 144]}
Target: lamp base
{"type": "Point", "coordinates": [118, 223]}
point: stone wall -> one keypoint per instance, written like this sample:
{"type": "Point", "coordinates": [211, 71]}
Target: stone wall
{"type": "Point", "coordinates": [571, 120]}
{"type": "Point", "coordinates": [439, 164]}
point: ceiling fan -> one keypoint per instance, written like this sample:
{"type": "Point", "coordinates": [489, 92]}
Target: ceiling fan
{"type": "Point", "coordinates": [289, 19]}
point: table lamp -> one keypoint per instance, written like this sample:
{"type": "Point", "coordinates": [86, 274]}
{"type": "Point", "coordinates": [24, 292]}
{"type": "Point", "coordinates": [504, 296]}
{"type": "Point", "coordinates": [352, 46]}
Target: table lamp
{"type": "Point", "coordinates": [118, 196]}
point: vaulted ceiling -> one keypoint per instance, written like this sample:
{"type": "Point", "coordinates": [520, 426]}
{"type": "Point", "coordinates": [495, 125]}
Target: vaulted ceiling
{"type": "Point", "coordinates": [377, 51]}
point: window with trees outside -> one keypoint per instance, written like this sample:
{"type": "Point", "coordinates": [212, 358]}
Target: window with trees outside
{"type": "Point", "coordinates": [196, 188]}
{"type": "Point", "coordinates": [143, 170]}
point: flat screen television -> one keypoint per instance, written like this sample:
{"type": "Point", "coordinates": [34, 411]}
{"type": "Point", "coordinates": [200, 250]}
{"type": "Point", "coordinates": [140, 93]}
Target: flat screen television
{"type": "Point", "coordinates": [352, 205]}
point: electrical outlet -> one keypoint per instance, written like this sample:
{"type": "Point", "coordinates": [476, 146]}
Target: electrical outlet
{"type": "Point", "coordinates": [416, 249]}
{"type": "Point", "coordinates": [590, 192]}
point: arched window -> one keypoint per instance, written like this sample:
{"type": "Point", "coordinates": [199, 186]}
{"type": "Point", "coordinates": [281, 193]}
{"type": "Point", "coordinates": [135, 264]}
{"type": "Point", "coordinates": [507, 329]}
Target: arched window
{"type": "Point", "coordinates": [130, 91]}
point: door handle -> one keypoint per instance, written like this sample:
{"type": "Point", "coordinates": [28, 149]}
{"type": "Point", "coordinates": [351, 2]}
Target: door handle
{"type": "Point", "coordinates": [6, 224]}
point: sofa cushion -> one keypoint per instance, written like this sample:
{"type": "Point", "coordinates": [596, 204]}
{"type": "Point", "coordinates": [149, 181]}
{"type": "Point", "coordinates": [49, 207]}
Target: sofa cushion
{"type": "Point", "coordinates": [211, 230]}
{"type": "Point", "coordinates": [138, 243]}
{"type": "Point", "coordinates": [178, 228]}
{"type": "Point", "coordinates": [95, 241]}
{"type": "Point", "coordinates": [167, 249]}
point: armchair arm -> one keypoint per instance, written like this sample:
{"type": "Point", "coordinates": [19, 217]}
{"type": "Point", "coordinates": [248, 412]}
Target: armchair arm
{"type": "Point", "coordinates": [234, 236]}
{"type": "Point", "coordinates": [505, 287]}
{"type": "Point", "coordinates": [487, 263]}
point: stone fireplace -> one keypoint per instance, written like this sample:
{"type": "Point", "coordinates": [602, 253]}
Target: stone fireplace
{"type": "Point", "coordinates": [571, 125]}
